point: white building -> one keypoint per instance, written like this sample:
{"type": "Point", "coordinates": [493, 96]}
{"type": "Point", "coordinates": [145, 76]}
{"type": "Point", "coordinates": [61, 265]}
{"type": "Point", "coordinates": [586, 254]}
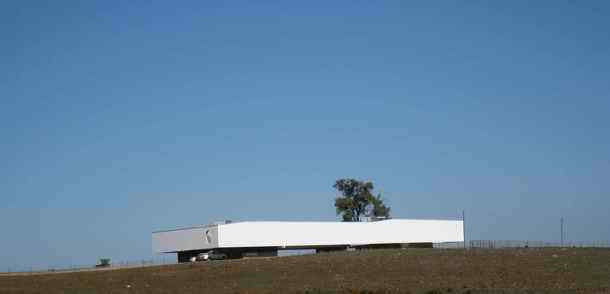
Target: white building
{"type": "Point", "coordinates": [266, 237]}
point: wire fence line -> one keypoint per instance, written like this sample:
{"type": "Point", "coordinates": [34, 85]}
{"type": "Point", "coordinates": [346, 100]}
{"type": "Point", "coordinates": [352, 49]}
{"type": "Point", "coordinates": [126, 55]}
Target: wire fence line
{"type": "Point", "coordinates": [491, 244]}
{"type": "Point", "coordinates": [168, 260]}
{"type": "Point", "coordinates": [88, 267]}
{"type": "Point", "coordinates": [506, 244]}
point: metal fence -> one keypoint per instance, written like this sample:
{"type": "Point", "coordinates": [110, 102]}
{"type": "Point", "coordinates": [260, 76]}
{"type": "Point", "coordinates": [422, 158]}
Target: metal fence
{"type": "Point", "coordinates": [490, 244]}
{"type": "Point", "coordinates": [500, 244]}
{"type": "Point", "coordinates": [91, 267]}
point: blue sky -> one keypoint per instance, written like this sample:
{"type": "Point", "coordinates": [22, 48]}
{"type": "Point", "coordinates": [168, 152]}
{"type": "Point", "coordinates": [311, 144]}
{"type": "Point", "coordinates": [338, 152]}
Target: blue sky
{"type": "Point", "coordinates": [119, 119]}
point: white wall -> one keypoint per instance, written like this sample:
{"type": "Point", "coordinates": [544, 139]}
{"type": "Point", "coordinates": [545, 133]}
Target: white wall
{"type": "Point", "coordinates": [185, 239]}
{"type": "Point", "coordinates": [295, 234]}
{"type": "Point", "coordinates": [303, 234]}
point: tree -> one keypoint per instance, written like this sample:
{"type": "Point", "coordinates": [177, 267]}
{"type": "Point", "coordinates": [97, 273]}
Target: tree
{"type": "Point", "coordinates": [378, 208]}
{"type": "Point", "coordinates": [357, 200]}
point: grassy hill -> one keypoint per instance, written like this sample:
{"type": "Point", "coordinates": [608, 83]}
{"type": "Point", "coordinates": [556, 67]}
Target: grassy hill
{"type": "Point", "coordinates": [374, 271]}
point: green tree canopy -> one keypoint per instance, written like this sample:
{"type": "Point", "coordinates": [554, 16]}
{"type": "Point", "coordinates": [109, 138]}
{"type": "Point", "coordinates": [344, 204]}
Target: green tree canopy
{"type": "Point", "coordinates": [357, 200]}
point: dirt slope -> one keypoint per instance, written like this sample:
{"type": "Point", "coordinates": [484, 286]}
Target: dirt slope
{"type": "Point", "coordinates": [375, 271]}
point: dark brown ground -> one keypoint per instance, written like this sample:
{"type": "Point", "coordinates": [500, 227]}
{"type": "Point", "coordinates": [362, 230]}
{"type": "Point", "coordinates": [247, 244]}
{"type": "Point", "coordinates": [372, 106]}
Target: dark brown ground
{"type": "Point", "coordinates": [375, 271]}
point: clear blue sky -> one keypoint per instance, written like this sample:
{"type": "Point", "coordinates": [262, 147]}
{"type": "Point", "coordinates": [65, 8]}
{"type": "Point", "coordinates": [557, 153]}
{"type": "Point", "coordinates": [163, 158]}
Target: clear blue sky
{"type": "Point", "coordinates": [119, 118]}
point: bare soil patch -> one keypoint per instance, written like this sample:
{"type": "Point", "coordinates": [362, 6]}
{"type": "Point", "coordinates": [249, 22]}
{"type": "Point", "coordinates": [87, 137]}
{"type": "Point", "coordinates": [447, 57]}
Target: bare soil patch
{"type": "Point", "coordinates": [550, 270]}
